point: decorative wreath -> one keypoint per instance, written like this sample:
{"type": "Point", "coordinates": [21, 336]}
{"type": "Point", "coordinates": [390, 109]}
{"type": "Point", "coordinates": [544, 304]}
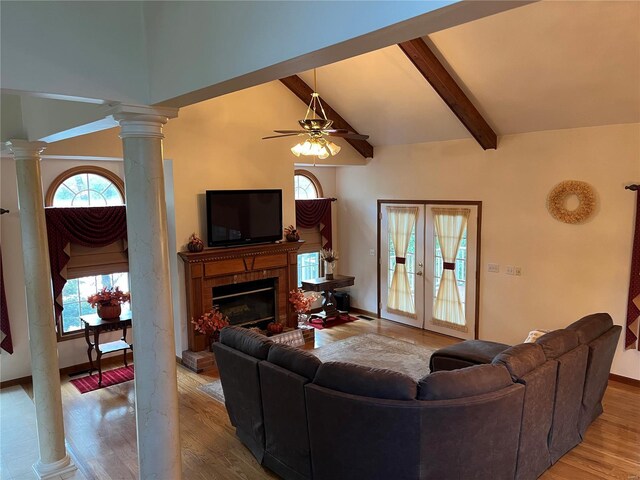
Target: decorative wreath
{"type": "Point", "coordinates": [557, 198]}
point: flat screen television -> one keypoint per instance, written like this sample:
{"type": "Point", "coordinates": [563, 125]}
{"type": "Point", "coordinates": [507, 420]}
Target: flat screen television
{"type": "Point", "coordinates": [240, 217]}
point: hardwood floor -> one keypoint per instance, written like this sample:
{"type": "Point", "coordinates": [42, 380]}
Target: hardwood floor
{"type": "Point", "coordinates": [100, 425]}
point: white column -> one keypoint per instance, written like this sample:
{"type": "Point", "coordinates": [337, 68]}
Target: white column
{"type": "Point", "coordinates": [53, 460]}
{"type": "Point", "coordinates": [150, 283]}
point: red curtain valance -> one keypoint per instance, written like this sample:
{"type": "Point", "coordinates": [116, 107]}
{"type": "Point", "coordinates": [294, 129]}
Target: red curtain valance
{"type": "Point", "coordinates": [88, 226]}
{"type": "Point", "coordinates": [315, 212]}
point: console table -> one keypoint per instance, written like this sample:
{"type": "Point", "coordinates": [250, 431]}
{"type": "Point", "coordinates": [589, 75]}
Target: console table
{"type": "Point", "coordinates": [328, 289]}
{"type": "Point", "coordinates": [95, 325]}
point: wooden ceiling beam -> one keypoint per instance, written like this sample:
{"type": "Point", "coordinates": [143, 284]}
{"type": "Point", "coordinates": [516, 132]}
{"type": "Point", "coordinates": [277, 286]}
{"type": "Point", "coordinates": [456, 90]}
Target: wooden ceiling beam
{"type": "Point", "coordinates": [443, 83]}
{"type": "Point", "coordinates": [303, 92]}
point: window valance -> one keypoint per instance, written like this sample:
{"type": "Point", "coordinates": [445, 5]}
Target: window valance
{"type": "Point", "coordinates": [315, 213]}
{"type": "Point", "coordinates": [87, 227]}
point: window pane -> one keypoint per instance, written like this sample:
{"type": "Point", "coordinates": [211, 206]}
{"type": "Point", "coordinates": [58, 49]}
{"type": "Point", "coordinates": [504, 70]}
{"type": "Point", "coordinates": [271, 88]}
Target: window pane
{"type": "Point", "coordinates": [460, 268]}
{"type": "Point", "coordinates": [304, 188]}
{"type": "Point", "coordinates": [112, 196]}
{"type": "Point", "coordinates": [77, 183]}
{"type": "Point", "coordinates": [81, 199]}
{"type": "Point", "coordinates": [96, 199]}
{"type": "Point", "coordinates": [98, 182]}
{"type": "Point", "coordinates": [76, 291]}
{"type": "Point", "coordinates": [308, 266]}
{"type": "Point", "coordinates": [63, 197]}
{"type": "Point", "coordinates": [410, 261]}
{"type": "Point", "coordinates": [87, 190]}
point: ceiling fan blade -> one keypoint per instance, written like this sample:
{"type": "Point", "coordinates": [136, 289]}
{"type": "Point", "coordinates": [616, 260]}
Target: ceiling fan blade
{"type": "Point", "coordinates": [291, 131]}
{"type": "Point", "coordinates": [349, 135]}
{"type": "Point", "coordinates": [280, 136]}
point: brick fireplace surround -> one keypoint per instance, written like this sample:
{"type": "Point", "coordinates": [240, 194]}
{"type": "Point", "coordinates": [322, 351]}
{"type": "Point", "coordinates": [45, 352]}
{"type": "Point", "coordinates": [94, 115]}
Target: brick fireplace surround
{"type": "Point", "coordinates": [215, 267]}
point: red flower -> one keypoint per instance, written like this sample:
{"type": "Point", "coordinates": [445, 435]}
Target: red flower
{"type": "Point", "coordinates": [301, 302]}
{"type": "Point", "coordinates": [211, 321]}
{"type": "Point", "coordinates": [109, 296]}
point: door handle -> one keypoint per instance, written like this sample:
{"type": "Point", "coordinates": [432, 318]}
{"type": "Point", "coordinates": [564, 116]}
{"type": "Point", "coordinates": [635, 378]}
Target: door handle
{"type": "Point", "coordinates": [419, 273]}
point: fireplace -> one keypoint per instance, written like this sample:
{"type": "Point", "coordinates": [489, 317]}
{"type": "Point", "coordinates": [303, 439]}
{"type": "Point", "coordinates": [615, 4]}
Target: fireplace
{"type": "Point", "coordinates": [247, 303]}
{"type": "Point", "coordinates": [233, 268]}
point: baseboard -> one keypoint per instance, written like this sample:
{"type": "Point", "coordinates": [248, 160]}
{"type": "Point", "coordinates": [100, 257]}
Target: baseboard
{"type": "Point", "coordinates": [626, 380]}
{"type": "Point", "coordinates": [363, 312]}
{"type": "Point", "coordinates": [106, 362]}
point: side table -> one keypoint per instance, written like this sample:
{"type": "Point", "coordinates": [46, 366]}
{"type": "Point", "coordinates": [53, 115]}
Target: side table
{"type": "Point", "coordinates": [95, 325]}
{"type": "Point", "coordinates": [328, 289]}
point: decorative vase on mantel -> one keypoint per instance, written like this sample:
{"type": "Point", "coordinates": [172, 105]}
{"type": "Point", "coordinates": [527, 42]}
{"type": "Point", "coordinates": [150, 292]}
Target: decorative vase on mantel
{"type": "Point", "coordinates": [329, 267]}
{"type": "Point", "coordinates": [108, 311]}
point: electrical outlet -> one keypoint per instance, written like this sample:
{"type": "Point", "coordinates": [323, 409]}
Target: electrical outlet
{"type": "Point", "coordinates": [372, 252]}
{"type": "Point", "coordinates": [518, 271]}
{"type": "Point", "coordinates": [494, 268]}
{"type": "Point", "coordinates": [510, 270]}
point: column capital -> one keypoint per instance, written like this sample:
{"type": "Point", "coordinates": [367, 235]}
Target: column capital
{"type": "Point", "coordinates": [24, 149]}
{"type": "Point", "coordinates": [141, 120]}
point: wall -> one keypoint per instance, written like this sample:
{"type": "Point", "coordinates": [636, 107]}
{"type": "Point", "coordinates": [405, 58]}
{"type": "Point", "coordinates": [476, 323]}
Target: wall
{"type": "Point", "coordinates": [568, 270]}
{"type": "Point", "coordinates": [70, 352]}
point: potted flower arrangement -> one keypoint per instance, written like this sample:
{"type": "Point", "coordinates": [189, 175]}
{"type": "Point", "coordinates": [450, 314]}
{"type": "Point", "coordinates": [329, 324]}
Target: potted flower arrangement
{"type": "Point", "coordinates": [302, 304]}
{"type": "Point", "coordinates": [109, 301]}
{"type": "Point", "coordinates": [291, 234]}
{"type": "Point", "coordinates": [330, 257]}
{"type": "Point", "coordinates": [210, 323]}
{"type": "Point", "coordinates": [195, 243]}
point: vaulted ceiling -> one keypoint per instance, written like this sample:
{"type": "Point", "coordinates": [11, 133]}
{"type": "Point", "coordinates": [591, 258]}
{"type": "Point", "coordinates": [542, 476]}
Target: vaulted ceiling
{"type": "Point", "coordinates": [547, 65]}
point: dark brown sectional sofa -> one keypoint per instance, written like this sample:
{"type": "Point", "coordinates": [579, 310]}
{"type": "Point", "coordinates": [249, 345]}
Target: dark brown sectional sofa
{"type": "Point", "coordinates": [509, 417]}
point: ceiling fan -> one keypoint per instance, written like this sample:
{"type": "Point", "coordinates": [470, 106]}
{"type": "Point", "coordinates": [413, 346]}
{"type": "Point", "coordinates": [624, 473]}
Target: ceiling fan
{"type": "Point", "coordinates": [316, 127]}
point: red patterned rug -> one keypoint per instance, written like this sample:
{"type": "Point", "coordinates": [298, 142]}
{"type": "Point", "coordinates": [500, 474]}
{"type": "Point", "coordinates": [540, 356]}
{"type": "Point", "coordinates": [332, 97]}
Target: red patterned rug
{"type": "Point", "coordinates": [111, 377]}
{"type": "Point", "coordinates": [317, 322]}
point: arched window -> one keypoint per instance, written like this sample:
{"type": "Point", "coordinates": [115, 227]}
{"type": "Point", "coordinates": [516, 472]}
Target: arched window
{"type": "Point", "coordinates": [89, 269]}
{"type": "Point", "coordinates": [85, 186]}
{"type": "Point", "coordinates": [306, 185]}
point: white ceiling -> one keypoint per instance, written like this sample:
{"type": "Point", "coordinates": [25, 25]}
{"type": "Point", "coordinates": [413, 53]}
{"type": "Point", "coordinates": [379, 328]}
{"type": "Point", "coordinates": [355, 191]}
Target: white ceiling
{"type": "Point", "coordinates": [544, 66]}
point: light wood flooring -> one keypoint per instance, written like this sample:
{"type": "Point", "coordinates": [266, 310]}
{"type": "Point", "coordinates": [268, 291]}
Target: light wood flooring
{"type": "Point", "coordinates": [101, 429]}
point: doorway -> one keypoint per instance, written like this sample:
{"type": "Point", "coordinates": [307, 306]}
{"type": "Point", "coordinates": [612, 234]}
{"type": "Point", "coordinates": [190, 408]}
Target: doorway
{"type": "Point", "coordinates": [429, 258]}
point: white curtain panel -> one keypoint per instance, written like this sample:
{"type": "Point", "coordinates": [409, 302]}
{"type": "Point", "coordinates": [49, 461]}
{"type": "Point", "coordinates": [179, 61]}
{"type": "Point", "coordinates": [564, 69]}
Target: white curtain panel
{"type": "Point", "coordinates": [401, 221]}
{"type": "Point", "coordinates": [450, 225]}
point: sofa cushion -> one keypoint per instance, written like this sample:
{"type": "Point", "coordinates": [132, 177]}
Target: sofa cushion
{"type": "Point", "coordinates": [521, 359]}
{"type": "Point", "coordinates": [365, 381]}
{"type": "Point", "coordinates": [558, 342]}
{"type": "Point", "coordinates": [535, 335]}
{"type": "Point", "coordinates": [465, 354]}
{"type": "Point", "coordinates": [246, 341]}
{"type": "Point", "coordinates": [465, 382]}
{"type": "Point", "coordinates": [295, 360]}
{"type": "Point", "coordinates": [591, 327]}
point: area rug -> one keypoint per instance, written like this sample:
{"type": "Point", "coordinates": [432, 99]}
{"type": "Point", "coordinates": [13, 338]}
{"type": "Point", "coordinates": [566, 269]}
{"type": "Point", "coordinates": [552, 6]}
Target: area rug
{"type": "Point", "coordinates": [368, 350]}
{"type": "Point", "coordinates": [109, 378]}
{"type": "Point", "coordinates": [317, 322]}
{"type": "Point", "coordinates": [379, 351]}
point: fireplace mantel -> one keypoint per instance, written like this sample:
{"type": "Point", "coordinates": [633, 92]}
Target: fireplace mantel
{"type": "Point", "coordinates": [214, 267]}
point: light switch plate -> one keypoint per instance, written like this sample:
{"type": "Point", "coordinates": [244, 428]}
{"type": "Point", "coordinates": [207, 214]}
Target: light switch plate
{"type": "Point", "coordinates": [372, 252]}
{"type": "Point", "coordinates": [510, 270]}
{"type": "Point", "coordinates": [494, 268]}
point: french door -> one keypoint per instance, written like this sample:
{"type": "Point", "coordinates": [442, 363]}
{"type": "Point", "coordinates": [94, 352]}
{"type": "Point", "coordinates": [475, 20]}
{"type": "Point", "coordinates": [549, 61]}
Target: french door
{"type": "Point", "coordinates": [428, 260]}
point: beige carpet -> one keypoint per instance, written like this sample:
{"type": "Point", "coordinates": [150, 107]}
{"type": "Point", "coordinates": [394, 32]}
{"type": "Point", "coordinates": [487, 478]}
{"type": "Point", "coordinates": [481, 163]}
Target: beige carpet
{"type": "Point", "coordinates": [368, 350]}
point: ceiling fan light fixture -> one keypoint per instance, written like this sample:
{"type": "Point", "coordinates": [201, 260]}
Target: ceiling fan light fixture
{"type": "Point", "coordinates": [334, 148]}
{"type": "Point", "coordinates": [315, 147]}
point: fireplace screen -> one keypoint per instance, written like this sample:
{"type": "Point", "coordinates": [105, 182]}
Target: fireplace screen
{"type": "Point", "coordinates": [248, 302]}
